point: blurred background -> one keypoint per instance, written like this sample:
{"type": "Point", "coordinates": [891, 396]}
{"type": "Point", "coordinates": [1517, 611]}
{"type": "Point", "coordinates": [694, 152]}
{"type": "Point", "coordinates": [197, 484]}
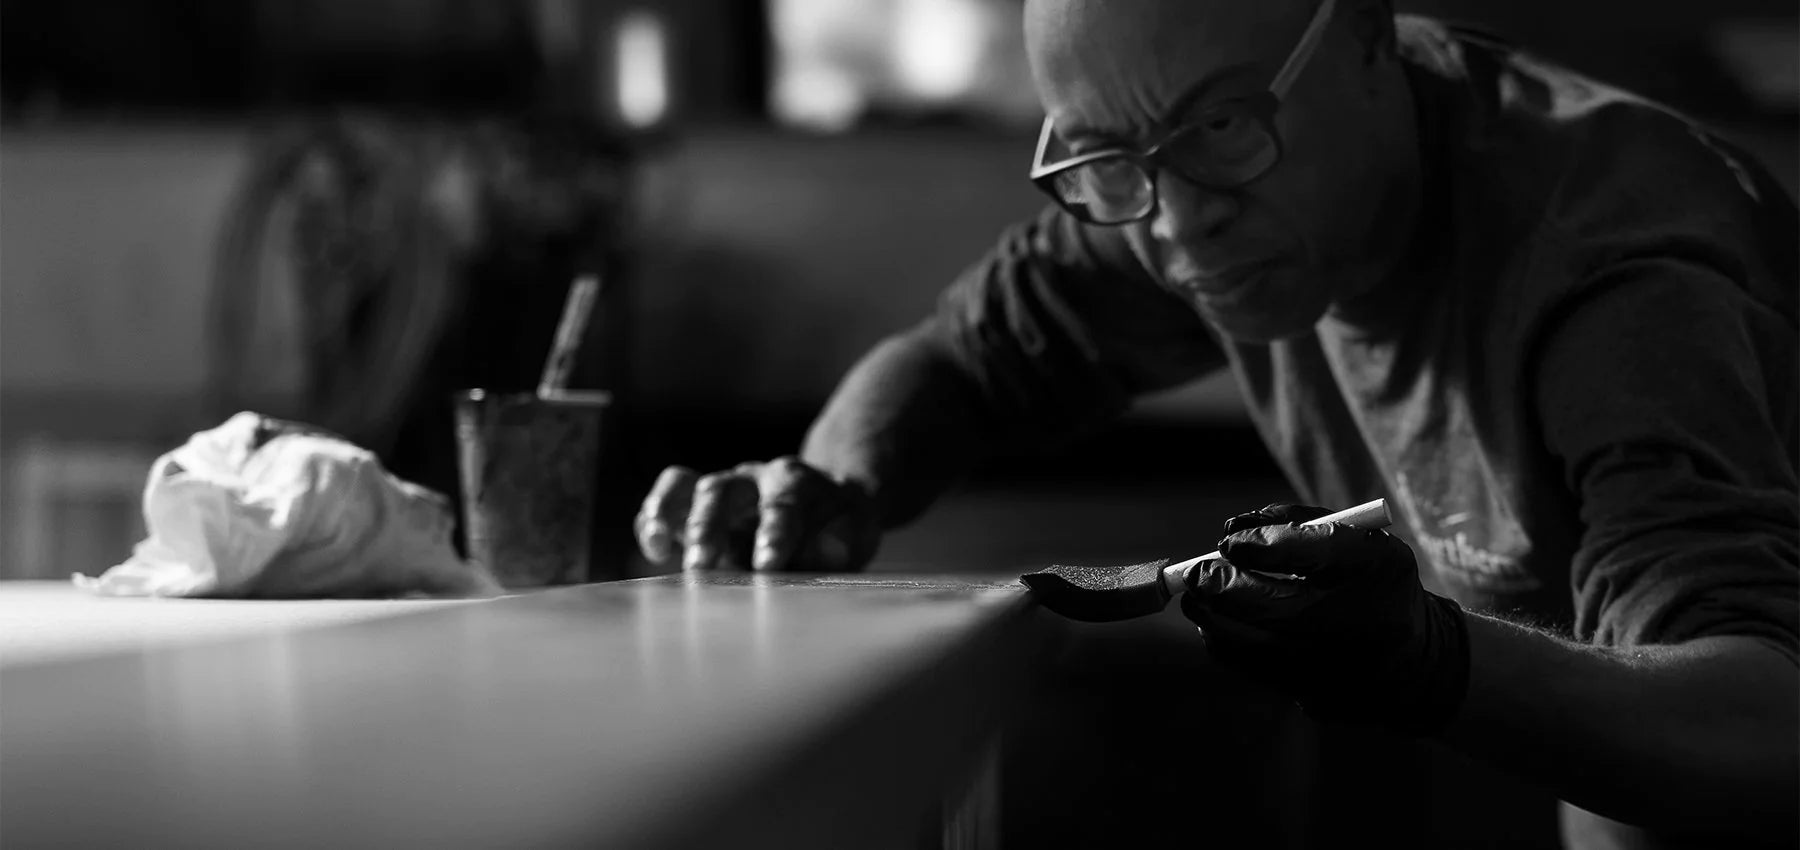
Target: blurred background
{"type": "Point", "coordinates": [341, 211]}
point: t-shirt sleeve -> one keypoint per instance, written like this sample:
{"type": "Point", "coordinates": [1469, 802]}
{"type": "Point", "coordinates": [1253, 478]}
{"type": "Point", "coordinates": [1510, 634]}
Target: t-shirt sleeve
{"type": "Point", "coordinates": [1668, 394]}
{"type": "Point", "coordinates": [1060, 327]}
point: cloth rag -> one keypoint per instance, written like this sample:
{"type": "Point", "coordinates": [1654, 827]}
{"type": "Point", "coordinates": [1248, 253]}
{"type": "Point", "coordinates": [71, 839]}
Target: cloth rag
{"type": "Point", "coordinates": [265, 508]}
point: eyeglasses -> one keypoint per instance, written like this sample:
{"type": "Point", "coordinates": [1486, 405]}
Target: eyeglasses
{"type": "Point", "coordinates": [1226, 146]}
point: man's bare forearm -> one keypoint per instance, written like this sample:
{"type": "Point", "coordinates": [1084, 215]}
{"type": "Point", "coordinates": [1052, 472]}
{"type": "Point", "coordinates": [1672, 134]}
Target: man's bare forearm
{"type": "Point", "coordinates": [1702, 736]}
{"type": "Point", "coordinates": [904, 423]}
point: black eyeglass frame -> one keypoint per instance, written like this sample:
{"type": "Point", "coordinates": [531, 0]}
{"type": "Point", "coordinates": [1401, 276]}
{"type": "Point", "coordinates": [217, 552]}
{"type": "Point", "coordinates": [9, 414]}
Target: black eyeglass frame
{"type": "Point", "coordinates": [1262, 106]}
{"type": "Point", "coordinates": [1150, 161]}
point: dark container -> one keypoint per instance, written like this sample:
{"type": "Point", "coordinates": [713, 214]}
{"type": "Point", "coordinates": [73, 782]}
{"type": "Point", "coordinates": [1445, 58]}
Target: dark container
{"type": "Point", "coordinates": [528, 468]}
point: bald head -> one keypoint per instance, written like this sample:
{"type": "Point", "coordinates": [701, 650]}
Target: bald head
{"type": "Point", "coordinates": [1118, 64]}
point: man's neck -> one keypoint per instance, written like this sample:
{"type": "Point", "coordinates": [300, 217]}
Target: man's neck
{"type": "Point", "coordinates": [1378, 292]}
{"type": "Point", "coordinates": [1415, 220]}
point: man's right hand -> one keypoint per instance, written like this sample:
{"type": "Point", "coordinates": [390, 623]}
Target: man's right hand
{"type": "Point", "coordinates": [779, 515]}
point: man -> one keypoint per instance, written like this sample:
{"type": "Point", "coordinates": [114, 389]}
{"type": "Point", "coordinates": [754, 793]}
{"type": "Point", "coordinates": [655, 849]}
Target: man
{"type": "Point", "coordinates": [1554, 324]}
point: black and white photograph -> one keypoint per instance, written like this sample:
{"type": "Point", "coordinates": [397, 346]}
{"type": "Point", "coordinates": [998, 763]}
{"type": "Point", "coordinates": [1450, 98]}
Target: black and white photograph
{"type": "Point", "coordinates": [899, 424]}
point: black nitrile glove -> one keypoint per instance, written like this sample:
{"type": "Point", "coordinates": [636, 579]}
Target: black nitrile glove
{"type": "Point", "coordinates": [1353, 636]}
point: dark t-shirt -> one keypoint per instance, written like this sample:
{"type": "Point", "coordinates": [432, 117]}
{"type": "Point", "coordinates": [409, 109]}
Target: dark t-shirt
{"type": "Point", "coordinates": [1583, 407]}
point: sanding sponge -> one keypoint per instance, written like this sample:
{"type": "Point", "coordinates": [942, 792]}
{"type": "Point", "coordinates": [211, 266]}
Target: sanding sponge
{"type": "Point", "coordinates": [1102, 594]}
{"type": "Point", "coordinates": [1110, 594]}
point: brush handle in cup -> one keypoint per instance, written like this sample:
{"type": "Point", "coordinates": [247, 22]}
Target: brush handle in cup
{"type": "Point", "coordinates": [569, 328]}
{"type": "Point", "coordinates": [1366, 515]}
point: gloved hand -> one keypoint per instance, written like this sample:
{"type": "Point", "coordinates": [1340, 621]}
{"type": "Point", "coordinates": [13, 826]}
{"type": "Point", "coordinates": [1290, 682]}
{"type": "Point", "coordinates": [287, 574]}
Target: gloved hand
{"type": "Point", "coordinates": [1351, 635]}
{"type": "Point", "coordinates": [780, 515]}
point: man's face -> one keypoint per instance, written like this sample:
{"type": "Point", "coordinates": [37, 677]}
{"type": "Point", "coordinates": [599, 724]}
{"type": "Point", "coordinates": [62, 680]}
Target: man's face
{"type": "Point", "coordinates": [1266, 260]}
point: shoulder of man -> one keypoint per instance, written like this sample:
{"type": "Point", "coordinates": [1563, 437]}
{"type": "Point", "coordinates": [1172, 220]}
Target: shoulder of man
{"type": "Point", "coordinates": [1579, 175]}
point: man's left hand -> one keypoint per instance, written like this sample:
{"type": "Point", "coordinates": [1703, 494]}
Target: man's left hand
{"type": "Point", "coordinates": [1333, 616]}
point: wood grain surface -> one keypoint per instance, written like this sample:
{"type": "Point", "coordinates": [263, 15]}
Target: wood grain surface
{"type": "Point", "coordinates": [725, 709]}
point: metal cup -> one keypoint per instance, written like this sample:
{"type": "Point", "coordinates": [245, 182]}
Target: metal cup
{"type": "Point", "coordinates": [528, 467]}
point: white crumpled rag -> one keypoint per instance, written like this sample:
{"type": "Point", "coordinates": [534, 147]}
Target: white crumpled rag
{"type": "Point", "coordinates": [259, 507]}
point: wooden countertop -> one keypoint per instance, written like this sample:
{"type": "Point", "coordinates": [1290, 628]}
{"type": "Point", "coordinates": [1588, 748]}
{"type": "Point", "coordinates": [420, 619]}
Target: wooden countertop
{"type": "Point", "coordinates": [779, 711]}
